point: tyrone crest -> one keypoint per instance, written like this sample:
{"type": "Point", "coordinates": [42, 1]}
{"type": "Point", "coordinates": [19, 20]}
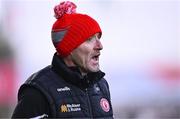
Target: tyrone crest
{"type": "Point", "coordinates": [105, 105]}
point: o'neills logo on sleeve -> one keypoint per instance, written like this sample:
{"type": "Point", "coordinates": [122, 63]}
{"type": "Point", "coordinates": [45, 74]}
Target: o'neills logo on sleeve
{"type": "Point", "coordinates": [70, 108]}
{"type": "Point", "coordinates": [105, 105]}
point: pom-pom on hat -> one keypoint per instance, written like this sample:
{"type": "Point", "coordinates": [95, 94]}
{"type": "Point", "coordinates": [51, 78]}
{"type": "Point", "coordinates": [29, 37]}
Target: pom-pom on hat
{"type": "Point", "coordinates": [71, 29]}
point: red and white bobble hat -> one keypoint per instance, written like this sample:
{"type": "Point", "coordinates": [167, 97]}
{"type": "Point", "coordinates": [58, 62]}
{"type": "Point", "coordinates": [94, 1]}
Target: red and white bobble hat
{"type": "Point", "coordinates": [71, 29]}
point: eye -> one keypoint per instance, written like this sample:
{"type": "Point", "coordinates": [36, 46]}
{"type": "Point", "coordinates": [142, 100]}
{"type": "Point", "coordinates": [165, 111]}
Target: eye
{"type": "Point", "coordinates": [93, 38]}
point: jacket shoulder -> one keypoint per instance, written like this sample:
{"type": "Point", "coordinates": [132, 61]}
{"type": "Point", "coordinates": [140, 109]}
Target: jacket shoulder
{"type": "Point", "coordinates": [41, 81]}
{"type": "Point", "coordinates": [40, 75]}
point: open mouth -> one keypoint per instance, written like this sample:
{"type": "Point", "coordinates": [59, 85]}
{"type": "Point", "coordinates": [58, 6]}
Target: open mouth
{"type": "Point", "coordinates": [96, 57]}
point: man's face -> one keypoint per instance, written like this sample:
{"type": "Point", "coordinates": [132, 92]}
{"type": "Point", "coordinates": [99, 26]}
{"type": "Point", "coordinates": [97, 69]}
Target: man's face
{"type": "Point", "coordinates": [86, 56]}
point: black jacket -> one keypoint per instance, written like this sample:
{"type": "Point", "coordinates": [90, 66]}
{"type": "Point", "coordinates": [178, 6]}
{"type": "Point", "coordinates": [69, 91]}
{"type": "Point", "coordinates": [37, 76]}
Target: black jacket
{"type": "Point", "coordinates": [60, 91]}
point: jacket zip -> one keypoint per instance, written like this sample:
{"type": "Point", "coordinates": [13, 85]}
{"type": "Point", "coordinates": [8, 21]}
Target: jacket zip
{"type": "Point", "coordinates": [89, 104]}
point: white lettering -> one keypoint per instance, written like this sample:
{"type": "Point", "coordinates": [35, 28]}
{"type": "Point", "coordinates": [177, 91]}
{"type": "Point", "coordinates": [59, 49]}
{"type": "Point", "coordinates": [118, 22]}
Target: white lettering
{"type": "Point", "coordinates": [73, 107]}
{"type": "Point", "coordinates": [63, 89]}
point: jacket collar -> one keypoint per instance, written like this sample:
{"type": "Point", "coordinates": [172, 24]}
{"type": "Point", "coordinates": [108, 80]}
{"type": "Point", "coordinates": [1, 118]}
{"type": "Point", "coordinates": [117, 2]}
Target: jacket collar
{"type": "Point", "coordinates": [73, 75]}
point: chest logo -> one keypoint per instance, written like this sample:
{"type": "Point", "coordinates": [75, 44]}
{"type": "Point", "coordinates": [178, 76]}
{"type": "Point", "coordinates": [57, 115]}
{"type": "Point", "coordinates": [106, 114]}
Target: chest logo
{"type": "Point", "coordinates": [63, 89]}
{"type": "Point", "coordinates": [64, 108]}
{"type": "Point", "coordinates": [70, 108]}
{"type": "Point", "coordinates": [105, 105]}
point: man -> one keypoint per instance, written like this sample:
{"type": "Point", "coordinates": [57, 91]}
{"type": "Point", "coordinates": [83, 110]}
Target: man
{"type": "Point", "coordinates": [73, 86]}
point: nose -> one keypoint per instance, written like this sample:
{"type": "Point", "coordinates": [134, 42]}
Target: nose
{"type": "Point", "coordinates": [98, 45]}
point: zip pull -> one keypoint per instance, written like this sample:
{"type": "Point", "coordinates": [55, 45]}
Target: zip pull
{"type": "Point", "coordinates": [86, 80]}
